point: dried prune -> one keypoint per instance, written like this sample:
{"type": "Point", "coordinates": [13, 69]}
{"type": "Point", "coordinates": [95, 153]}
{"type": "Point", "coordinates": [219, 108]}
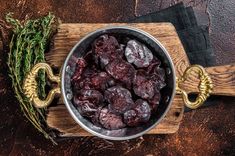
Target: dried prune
{"type": "Point", "coordinates": [161, 72]}
{"type": "Point", "coordinates": [88, 101]}
{"type": "Point", "coordinates": [122, 71]}
{"type": "Point", "coordinates": [110, 120]}
{"type": "Point", "coordinates": [84, 83]}
{"type": "Point", "coordinates": [101, 81]}
{"type": "Point", "coordinates": [88, 109]}
{"type": "Point", "coordinates": [80, 65]}
{"type": "Point", "coordinates": [145, 89]}
{"type": "Point", "coordinates": [140, 76]}
{"type": "Point", "coordinates": [154, 102]}
{"type": "Point", "coordinates": [90, 71]}
{"type": "Point", "coordinates": [140, 114]}
{"type": "Point", "coordinates": [93, 96]}
{"type": "Point", "coordinates": [142, 86]}
{"type": "Point", "coordinates": [105, 43]}
{"type": "Point", "coordinates": [153, 64]}
{"type": "Point", "coordinates": [106, 49]}
{"type": "Point", "coordinates": [85, 107]}
{"type": "Point", "coordinates": [119, 98]}
{"type": "Point", "coordinates": [95, 80]}
{"type": "Point", "coordinates": [131, 118]}
{"type": "Point", "coordinates": [105, 83]}
{"type": "Point", "coordinates": [95, 118]}
{"type": "Point", "coordinates": [158, 76]}
{"type": "Point", "coordinates": [145, 84]}
{"type": "Point", "coordinates": [143, 110]}
{"type": "Point", "coordinates": [138, 54]}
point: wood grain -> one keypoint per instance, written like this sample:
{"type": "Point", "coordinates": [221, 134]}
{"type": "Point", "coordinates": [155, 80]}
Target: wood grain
{"type": "Point", "coordinates": [223, 78]}
{"type": "Point", "coordinates": [69, 34]}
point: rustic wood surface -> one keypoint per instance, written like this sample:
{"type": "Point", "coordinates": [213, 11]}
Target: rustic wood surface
{"type": "Point", "coordinates": [69, 34]}
{"type": "Point", "coordinates": [205, 131]}
{"type": "Point", "coordinates": [223, 78]}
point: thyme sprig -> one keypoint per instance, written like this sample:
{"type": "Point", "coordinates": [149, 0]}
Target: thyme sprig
{"type": "Point", "coordinates": [28, 44]}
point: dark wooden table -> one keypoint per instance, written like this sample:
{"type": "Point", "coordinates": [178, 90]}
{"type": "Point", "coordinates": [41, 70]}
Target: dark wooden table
{"type": "Point", "coordinates": [206, 131]}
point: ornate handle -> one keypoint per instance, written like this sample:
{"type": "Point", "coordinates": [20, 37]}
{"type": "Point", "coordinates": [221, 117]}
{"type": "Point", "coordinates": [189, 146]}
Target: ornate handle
{"type": "Point", "coordinates": [205, 86]}
{"type": "Point", "coordinates": [30, 85]}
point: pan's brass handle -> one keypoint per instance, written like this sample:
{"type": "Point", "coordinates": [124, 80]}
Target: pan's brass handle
{"type": "Point", "coordinates": [30, 86]}
{"type": "Point", "coordinates": [205, 86]}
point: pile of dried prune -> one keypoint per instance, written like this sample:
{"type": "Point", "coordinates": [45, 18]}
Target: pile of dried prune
{"type": "Point", "coordinates": [117, 84]}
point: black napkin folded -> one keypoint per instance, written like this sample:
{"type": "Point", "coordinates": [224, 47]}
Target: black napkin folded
{"type": "Point", "coordinates": [177, 15]}
{"type": "Point", "coordinates": [194, 38]}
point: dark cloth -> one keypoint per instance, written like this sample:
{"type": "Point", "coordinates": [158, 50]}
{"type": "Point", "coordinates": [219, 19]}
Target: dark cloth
{"type": "Point", "coordinates": [177, 15]}
{"type": "Point", "coordinates": [194, 38]}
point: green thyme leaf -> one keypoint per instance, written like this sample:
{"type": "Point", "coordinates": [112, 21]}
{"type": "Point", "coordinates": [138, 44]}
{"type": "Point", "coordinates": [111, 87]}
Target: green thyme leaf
{"type": "Point", "coordinates": [27, 47]}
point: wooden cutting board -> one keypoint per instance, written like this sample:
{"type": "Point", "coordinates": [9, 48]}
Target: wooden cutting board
{"type": "Point", "coordinates": [69, 34]}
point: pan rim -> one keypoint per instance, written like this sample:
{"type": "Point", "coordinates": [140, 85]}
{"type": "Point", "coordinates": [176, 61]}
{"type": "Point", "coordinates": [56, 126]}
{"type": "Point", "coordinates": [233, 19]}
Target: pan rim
{"type": "Point", "coordinates": [72, 112]}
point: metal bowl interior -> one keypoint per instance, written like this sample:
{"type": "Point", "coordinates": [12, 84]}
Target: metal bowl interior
{"type": "Point", "coordinates": [167, 92]}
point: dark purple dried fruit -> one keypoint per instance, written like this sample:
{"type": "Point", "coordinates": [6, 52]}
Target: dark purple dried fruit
{"type": "Point", "coordinates": [105, 43]}
{"type": "Point", "coordinates": [145, 90]}
{"type": "Point", "coordinates": [110, 120]}
{"type": "Point", "coordinates": [131, 118]}
{"type": "Point", "coordinates": [88, 102]}
{"type": "Point", "coordinates": [154, 102]}
{"type": "Point", "coordinates": [153, 64]}
{"type": "Point", "coordinates": [106, 49]}
{"type": "Point", "coordinates": [90, 71]}
{"type": "Point", "coordinates": [85, 107]}
{"type": "Point", "coordinates": [100, 81]}
{"type": "Point", "coordinates": [92, 96]}
{"type": "Point", "coordinates": [138, 54]}
{"type": "Point", "coordinates": [95, 118]}
{"type": "Point", "coordinates": [102, 76]}
{"type": "Point", "coordinates": [80, 65]}
{"type": "Point", "coordinates": [122, 71]}
{"type": "Point", "coordinates": [140, 114]}
{"type": "Point", "coordinates": [84, 83]}
{"type": "Point", "coordinates": [142, 86]}
{"type": "Point", "coordinates": [158, 76]}
{"type": "Point", "coordinates": [143, 110]}
{"type": "Point", "coordinates": [119, 98]}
